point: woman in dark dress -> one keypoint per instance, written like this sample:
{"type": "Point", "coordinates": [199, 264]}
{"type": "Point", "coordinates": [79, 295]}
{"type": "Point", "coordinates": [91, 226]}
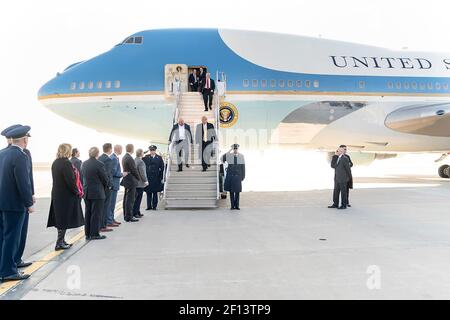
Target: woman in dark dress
{"type": "Point", "coordinates": [67, 192]}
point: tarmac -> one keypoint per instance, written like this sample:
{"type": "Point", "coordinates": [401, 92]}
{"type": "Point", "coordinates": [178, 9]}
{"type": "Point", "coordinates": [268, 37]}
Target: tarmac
{"type": "Point", "coordinates": [393, 243]}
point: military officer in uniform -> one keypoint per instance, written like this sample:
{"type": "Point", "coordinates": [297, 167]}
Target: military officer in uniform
{"type": "Point", "coordinates": [235, 174]}
{"type": "Point", "coordinates": [16, 200]}
{"type": "Point", "coordinates": [154, 165]}
{"type": "Point", "coordinates": [24, 233]}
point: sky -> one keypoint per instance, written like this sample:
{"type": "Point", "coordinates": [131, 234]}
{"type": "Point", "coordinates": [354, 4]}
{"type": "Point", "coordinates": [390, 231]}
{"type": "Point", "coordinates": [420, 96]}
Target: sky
{"type": "Point", "coordinates": [41, 38]}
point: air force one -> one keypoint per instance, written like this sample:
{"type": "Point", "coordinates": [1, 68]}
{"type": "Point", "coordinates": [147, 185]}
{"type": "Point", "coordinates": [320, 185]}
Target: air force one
{"type": "Point", "coordinates": [282, 89]}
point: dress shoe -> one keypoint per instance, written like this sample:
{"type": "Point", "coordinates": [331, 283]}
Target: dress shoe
{"type": "Point", "coordinates": [148, 209]}
{"type": "Point", "coordinates": [16, 277]}
{"type": "Point", "coordinates": [232, 208]}
{"type": "Point", "coordinates": [342, 207]}
{"type": "Point", "coordinates": [206, 110]}
{"type": "Point", "coordinates": [332, 206]}
{"type": "Point", "coordinates": [62, 246]}
{"type": "Point", "coordinates": [23, 264]}
{"type": "Point", "coordinates": [237, 208]}
{"type": "Point", "coordinates": [154, 209]}
{"type": "Point", "coordinates": [68, 244]}
{"type": "Point", "coordinates": [187, 165]}
{"type": "Point", "coordinates": [97, 238]}
{"type": "Point", "coordinates": [210, 108]}
{"type": "Point", "coordinates": [117, 222]}
{"type": "Point", "coordinates": [349, 205]}
{"type": "Point", "coordinates": [132, 220]}
{"type": "Point", "coordinates": [112, 225]}
{"type": "Point", "coordinates": [106, 230]}
{"type": "Point", "coordinates": [179, 170]}
{"type": "Point", "coordinates": [138, 216]}
{"type": "Point", "coordinates": [203, 170]}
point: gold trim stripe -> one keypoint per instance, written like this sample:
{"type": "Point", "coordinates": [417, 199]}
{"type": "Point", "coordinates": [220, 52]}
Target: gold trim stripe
{"type": "Point", "coordinates": [305, 93]}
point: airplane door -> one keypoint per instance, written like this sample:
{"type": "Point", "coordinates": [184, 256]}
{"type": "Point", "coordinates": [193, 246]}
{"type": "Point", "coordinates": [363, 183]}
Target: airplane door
{"type": "Point", "coordinates": [175, 78]}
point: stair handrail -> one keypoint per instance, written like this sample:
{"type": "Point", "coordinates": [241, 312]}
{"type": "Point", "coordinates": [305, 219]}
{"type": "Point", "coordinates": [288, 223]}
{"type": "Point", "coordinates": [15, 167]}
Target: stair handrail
{"type": "Point", "coordinates": [176, 114]}
{"type": "Point", "coordinates": [217, 146]}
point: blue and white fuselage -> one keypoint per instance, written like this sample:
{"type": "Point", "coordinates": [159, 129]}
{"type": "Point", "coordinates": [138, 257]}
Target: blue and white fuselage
{"type": "Point", "coordinates": [304, 91]}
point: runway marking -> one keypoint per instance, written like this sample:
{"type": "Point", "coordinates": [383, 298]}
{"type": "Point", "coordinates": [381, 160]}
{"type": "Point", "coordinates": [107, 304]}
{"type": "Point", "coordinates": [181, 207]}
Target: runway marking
{"type": "Point", "coordinates": [6, 286]}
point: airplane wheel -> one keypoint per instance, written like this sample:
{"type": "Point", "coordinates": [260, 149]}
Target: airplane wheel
{"type": "Point", "coordinates": [444, 171]}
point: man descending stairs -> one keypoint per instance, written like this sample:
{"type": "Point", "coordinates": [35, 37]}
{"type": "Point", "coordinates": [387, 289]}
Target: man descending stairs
{"type": "Point", "coordinates": [192, 188]}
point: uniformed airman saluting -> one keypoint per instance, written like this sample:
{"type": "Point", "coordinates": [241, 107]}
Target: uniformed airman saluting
{"type": "Point", "coordinates": [235, 174]}
{"type": "Point", "coordinates": [16, 201]}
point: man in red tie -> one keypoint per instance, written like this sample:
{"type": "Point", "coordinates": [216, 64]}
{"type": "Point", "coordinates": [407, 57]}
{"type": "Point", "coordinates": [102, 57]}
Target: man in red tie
{"type": "Point", "coordinates": [208, 87]}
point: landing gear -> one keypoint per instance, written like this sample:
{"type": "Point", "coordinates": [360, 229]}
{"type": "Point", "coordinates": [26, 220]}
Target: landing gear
{"type": "Point", "coordinates": [444, 171]}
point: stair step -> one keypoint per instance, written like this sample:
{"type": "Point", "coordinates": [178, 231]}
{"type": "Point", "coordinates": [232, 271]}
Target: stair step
{"type": "Point", "coordinates": [191, 179]}
{"type": "Point", "coordinates": [191, 186]}
{"type": "Point", "coordinates": [191, 194]}
{"type": "Point", "coordinates": [190, 203]}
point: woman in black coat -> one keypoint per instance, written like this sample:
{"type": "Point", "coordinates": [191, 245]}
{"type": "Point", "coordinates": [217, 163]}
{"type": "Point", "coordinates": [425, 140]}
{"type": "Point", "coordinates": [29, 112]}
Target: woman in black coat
{"type": "Point", "coordinates": [65, 209]}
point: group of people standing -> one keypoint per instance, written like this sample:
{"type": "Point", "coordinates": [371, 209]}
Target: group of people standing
{"type": "Point", "coordinates": [96, 180]}
{"type": "Point", "coordinates": [200, 81]}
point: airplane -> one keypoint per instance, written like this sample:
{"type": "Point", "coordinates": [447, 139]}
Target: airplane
{"type": "Point", "coordinates": [278, 89]}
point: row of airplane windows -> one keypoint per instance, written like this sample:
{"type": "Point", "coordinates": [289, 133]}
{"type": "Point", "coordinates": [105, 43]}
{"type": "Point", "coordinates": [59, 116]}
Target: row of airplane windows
{"type": "Point", "coordinates": [90, 85]}
{"type": "Point", "coordinates": [281, 83]}
{"type": "Point", "coordinates": [361, 84]}
{"type": "Point", "coordinates": [415, 85]}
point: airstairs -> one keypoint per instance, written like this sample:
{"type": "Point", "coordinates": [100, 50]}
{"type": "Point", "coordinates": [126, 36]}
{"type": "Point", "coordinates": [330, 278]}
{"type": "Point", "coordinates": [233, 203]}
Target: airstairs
{"type": "Point", "coordinates": [193, 188]}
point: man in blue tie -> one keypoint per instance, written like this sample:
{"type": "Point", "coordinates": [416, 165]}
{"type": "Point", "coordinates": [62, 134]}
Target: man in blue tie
{"type": "Point", "coordinates": [117, 175]}
{"type": "Point", "coordinates": [16, 201]}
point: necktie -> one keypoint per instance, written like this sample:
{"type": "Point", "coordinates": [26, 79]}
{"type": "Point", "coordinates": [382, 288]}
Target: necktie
{"type": "Point", "coordinates": [235, 160]}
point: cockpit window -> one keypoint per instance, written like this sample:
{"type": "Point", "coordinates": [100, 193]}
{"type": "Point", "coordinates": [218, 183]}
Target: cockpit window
{"type": "Point", "coordinates": [133, 40]}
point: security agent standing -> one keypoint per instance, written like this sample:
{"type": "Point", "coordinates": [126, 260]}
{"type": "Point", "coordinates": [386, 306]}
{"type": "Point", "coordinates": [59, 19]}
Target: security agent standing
{"type": "Point", "coordinates": [341, 165]}
{"type": "Point", "coordinates": [235, 174]}
{"type": "Point", "coordinates": [95, 181]}
{"type": "Point", "coordinates": [350, 182]}
{"type": "Point", "coordinates": [16, 201]}
{"type": "Point", "coordinates": [24, 233]}
{"type": "Point", "coordinates": [154, 165]}
{"type": "Point", "coordinates": [205, 134]}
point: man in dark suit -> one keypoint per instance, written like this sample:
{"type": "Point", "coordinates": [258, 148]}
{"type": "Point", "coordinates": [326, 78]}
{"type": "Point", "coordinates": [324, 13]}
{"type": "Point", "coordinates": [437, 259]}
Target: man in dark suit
{"type": "Point", "coordinates": [95, 181]}
{"type": "Point", "coordinates": [341, 165]}
{"type": "Point", "coordinates": [16, 201]}
{"type": "Point", "coordinates": [193, 81]}
{"type": "Point", "coordinates": [350, 182]}
{"type": "Point", "coordinates": [24, 232]}
{"type": "Point", "coordinates": [107, 161]}
{"type": "Point", "coordinates": [205, 134]}
{"type": "Point", "coordinates": [75, 160]}
{"type": "Point", "coordinates": [208, 87]}
{"type": "Point", "coordinates": [154, 166]}
{"type": "Point", "coordinates": [201, 78]}
{"type": "Point", "coordinates": [117, 175]}
{"type": "Point", "coordinates": [130, 183]}
{"type": "Point", "coordinates": [181, 136]}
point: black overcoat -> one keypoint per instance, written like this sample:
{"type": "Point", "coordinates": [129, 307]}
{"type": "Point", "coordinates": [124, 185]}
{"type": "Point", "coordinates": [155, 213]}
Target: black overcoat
{"type": "Point", "coordinates": [65, 208]}
{"type": "Point", "coordinates": [235, 172]}
{"type": "Point", "coordinates": [155, 171]}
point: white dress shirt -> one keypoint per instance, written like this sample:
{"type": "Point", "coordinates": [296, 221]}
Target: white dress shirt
{"type": "Point", "coordinates": [181, 132]}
